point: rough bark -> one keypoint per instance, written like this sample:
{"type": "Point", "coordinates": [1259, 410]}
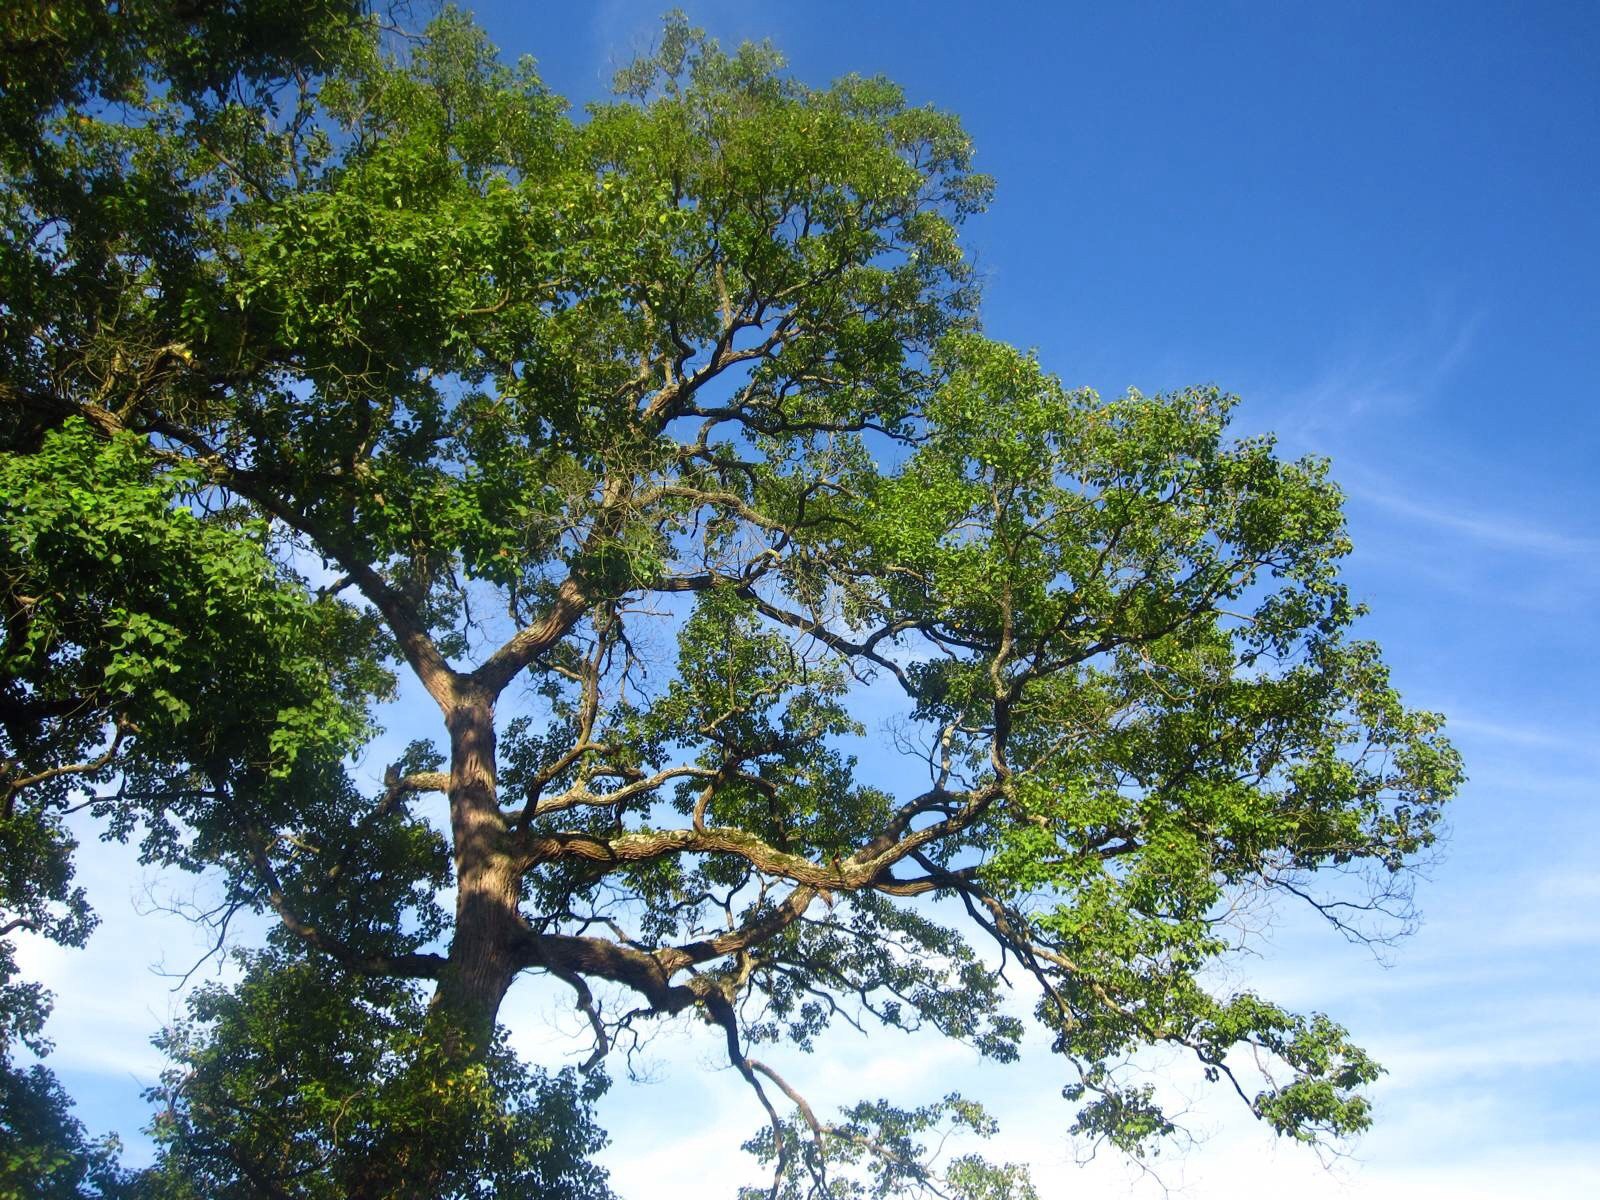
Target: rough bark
{"type": "Point", "coordinates": [489, 927]}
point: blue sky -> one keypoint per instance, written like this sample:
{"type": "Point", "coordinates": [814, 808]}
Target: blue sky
{"type": "Point", "coordinates": [1380, 225]}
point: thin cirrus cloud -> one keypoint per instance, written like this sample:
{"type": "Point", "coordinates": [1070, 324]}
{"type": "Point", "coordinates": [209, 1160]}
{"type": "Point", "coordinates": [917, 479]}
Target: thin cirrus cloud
{"type": "Point", "coordinates": [1368, 377]}
{"type": "Point", "coordinates": [1504, 533]}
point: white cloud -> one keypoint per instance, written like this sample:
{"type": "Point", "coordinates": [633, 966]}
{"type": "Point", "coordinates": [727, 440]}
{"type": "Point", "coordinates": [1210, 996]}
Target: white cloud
{"type": "Point", "coordinates": [1540, 737]}
{"type": "Point", "coordinates": [1506, 532]}
{"type": "Point", "coordinates": [113, 995]}
{"type": "Point", "coordinates": [1378, 375]}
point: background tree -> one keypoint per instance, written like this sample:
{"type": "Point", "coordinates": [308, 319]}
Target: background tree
{"type": "Point", "coordinates": [378, 358]}
{"type": "Point", "coordinates": [101, 564]}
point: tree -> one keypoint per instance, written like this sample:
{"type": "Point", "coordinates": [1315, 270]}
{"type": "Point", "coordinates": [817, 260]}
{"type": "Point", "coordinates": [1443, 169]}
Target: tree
{"type": "Point", "coordinates": [365, 355]}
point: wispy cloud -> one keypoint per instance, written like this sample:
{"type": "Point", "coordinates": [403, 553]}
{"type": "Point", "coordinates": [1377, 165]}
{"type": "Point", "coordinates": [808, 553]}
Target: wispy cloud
{"type": "Point", "coordinates": [1490, 1048]}
{"type": "Point", "coordinates": [1377, 375]}
{"type": "Point", "coordinates": [1492, 529]}
{"type": "Point", "coordinates": [1528, 736]}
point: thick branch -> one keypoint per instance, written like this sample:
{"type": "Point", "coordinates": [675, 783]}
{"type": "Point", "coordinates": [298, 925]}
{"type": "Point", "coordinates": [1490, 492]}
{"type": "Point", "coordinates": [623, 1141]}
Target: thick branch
{"type": "Point", "coordinates": [529, 642]}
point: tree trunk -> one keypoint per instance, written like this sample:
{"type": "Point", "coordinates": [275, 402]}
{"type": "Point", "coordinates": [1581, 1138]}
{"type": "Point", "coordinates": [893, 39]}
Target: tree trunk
{"type": "Point", "coordinates": [420, 1155]}
{"type": "Point", "coordinates": [488, 924]}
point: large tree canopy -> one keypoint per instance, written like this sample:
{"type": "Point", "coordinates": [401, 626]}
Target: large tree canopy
{"type": "Point", "coordinates": [646, 440]}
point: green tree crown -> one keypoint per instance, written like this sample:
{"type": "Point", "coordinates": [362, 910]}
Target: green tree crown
{"type": "Point", "coordinates": [642, 440]}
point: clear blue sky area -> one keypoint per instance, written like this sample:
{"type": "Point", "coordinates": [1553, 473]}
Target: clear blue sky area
{"type": "Point", "coordinates": [1380, 225]}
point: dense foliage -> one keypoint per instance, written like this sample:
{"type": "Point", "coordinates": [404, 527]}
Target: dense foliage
{"type": "Point", "coordinates": [646, 440]}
